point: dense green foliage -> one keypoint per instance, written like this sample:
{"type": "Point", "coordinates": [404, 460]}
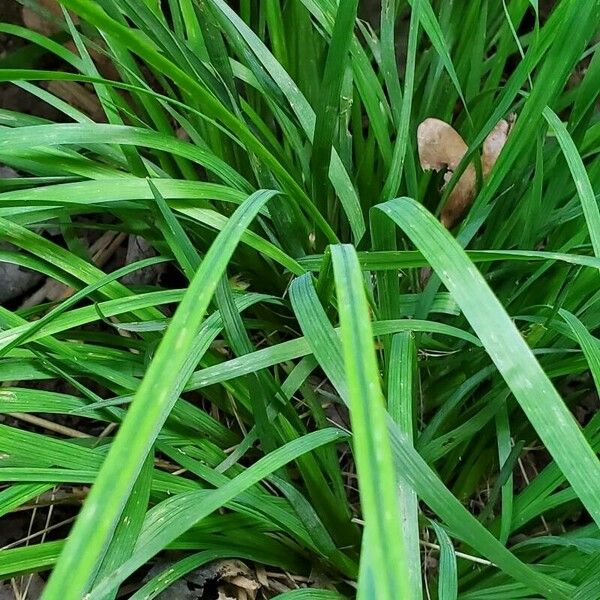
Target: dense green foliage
{"type": "Point", "coordinates": [268, 154]}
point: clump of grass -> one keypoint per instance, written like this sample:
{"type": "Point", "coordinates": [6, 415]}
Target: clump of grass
{"type": "Point", "coordinates": [268, 154]}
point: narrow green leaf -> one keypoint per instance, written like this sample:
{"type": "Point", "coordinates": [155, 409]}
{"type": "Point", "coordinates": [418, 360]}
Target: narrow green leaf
{"type": "Point", "coordinates": [580, 176]}
{"type": "Point", "coordinates": [162, 383]}
{"type": "Point", "coordinates": [447, 571]}
{"type": "Point", "coordinates": [410, 466]}
{"type": "Point", "coordinates": [535, 393]}
{"type": "Point", "coordinates": [174, 516]}
{"type": "Point", "coordinates": [129, 526]}
{"type": "Point", "coordinates": [326, 118]}
{"type": "Point", "coordinates": [402, 384]}
{"type": "Point", "coordinates": [377, 480]}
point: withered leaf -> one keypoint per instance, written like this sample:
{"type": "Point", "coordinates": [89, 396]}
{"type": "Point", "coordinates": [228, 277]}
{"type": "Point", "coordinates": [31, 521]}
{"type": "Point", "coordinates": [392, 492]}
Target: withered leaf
{"type": "Point", "coordinates": [494, 143]}
{"type": "Point", "coordinates": [441, 147]}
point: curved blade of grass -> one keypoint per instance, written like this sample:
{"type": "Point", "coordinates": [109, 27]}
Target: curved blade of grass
{"type": "Point", "coordinates": [94, 133]}
{"type": "Point", "coordinates": [16, 495]}
{"type": "Point", "coordinates": [44, 42]}
{"type": "Point", "coordinates": [392, 260]}
{"type": "Point", "coordinates": [74, 299]}
{"type": "Point", "coordinates": [179, 569]}
{"type": "Point", "coordinates": [303, 111]}
{"type": "Point", "coordinates": [410, 466]}
{"type": "Point", "coordinates": [434, 32]}
{"type": "Point", "coordinates": [303, 346]}
{"type": "Point", "coordinates": [520, 369]}
{"type": "Point", "coordinates": [70, 263]}
{"type": "Point", "coordinates": [218, 221]}
{"type": "Point", "coordinates": [310, 594]}
{"type": "Point", "coordinates": [154, 399]}
{"type": "Point", "coordinates": [327, 116]}
{"type": "Point", "coordinates": [588, 343]}
{"type": "Point", "coordinates": [447, 571]}
{"type": "Point", "coordinates": [27, 559]}
{"type": "Point", "coordinates": [145, 49]}
{"type": "Point", "coordinates": [172, 517]}
{"type": "Point", "coordinates": [54, 322]}
{"type": "Point", "coordinates": [388, 556]}
{"type": "Point", "coordinates": [530, 502]}
{"type": "Point", "coordinates": [123, 188]}
{"type": "Point", "coordinates": [580, 176]}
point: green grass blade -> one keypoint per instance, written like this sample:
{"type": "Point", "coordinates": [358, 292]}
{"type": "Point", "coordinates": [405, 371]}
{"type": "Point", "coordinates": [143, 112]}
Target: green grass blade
{"type": "Point", "coordinates": [588, 343]}
{"type": "Point", "coordinates": [174, 516]}
{"type": "Point", "coordinates": [81, 133]}
{"type": "Point", "coordinates": [447, 571]}
{"type": "Point", "coordinates": [175, 236]}
{"type": "Point", "coordinates": [304, 113]}
{"type": "Point", "coordinates": [392, 182]}
{"type": "Point", "coordinates": [129, 526]}
{"type": "Point", "coordinates": [142, 424]}
{"type": "Point", "coordinates": [27, 559]}
{"type": "Point", "coordinates": [146, 50]}
{"type": "Point", "coordinates": [310, 594]}
{"type": "Point", "coordinates": [580, 176]}
{"type": "Point", "coordinates": [327, 114]}
{"type": "Point", "coordinates": [378, 487]}
{"type": "Point", "coordinates": [410, 466]}
{"type": "Point", "coordinates": [402, 383]}
{"type": "Point", "coordinates": [432, 26]}
{"type": "Point", "coordinates": [545, 409]}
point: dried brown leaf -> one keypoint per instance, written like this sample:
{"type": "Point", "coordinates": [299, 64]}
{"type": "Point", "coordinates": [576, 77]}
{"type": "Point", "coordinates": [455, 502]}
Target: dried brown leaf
{"type": "Point", "coordinates": [239, 579]}
{"type": "Point", "coordinates": [440, 145]}
{"type": "Point", "coordinates": [494, 143]}
{"type": "Point", "coordinates": [261, 575]}
{"type": "Point", "coordinates": [243, 582]}
{"type": "Point", "coordinates": [442, 148]}
{"type": "Point", "coordinates": [460, 197]}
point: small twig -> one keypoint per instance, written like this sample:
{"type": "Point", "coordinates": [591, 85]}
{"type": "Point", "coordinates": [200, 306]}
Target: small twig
{"type": "Point", "coordinates": [37, 534]}
{"type": "Point", "coordinates": [105, 432]}
{"type": "Point", "coordinates": [49, 425]}
{"type": "Point", "coordinates": [15, 588]}
{"type": "Point", "coordinates": [44, 532]}
{"type": "Point", "coordinates": [105, 247]}
{"type": "Point", "coordinates": [294, 579]}
{"type": "Point", "coordinates": [524, 474]}
{"type": "Point", "coordinates": [101, 250]}
{"type": "Point", "coordinates": [23, 593]}
{"type": "Point", "coordinates": [78, 495]}
{"type": "Point", "coordinates": [475, 559]}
